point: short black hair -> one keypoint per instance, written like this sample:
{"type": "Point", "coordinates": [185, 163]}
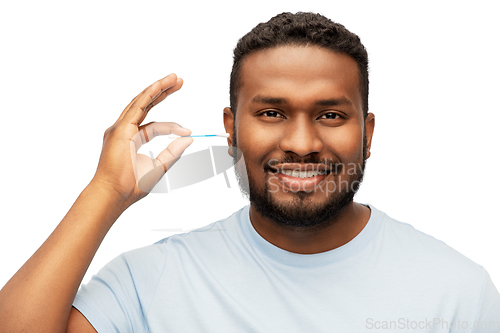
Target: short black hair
{"type": "Point", "coordinates": [301, 29]}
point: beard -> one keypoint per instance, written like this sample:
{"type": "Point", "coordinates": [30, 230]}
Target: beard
{"type": "Point", "coordinates": [301, 211]}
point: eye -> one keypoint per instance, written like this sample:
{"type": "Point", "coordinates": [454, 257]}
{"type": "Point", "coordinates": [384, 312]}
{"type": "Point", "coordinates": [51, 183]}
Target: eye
{"type": "Point", "coordinates": [331, 115]}
{"type": "Point", "coordinates": [271, 114]}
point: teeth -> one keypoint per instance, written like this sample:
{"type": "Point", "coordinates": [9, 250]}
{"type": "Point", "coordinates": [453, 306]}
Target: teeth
{"type": "Point", "coordinates": [302, 174]}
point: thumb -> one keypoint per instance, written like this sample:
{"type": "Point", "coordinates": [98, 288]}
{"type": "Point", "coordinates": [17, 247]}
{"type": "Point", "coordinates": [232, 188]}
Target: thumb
{"type": "Point", "coordinates": [173, 152]}
{"type": "Point", "coordinates": [163, 162]}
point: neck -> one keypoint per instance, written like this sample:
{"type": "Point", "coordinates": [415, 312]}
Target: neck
{"type": "Point", "coordinates": [332, 234]}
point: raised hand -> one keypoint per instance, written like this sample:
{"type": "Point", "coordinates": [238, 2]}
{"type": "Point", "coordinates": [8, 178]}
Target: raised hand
{"type": "Point", "coordinates": [124, 171]}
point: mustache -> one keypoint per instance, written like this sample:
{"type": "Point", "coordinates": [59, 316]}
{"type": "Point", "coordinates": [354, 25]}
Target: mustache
{"type": "Point", "coordinates": [331, 164]}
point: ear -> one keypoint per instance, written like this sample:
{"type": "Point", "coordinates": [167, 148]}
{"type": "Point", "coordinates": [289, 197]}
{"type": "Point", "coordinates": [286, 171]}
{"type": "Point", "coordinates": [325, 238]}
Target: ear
{"type": "Point", "coordinates": [228, 125]}
{"type": "Point", "coordinates": [369, 127]}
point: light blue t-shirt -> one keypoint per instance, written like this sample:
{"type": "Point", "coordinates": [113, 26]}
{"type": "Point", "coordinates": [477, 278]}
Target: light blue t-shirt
{"type": "Point", "coordinates": [226, 278]}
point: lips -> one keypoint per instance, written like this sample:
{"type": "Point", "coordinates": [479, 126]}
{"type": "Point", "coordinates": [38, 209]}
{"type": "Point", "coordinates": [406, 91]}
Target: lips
{"type": "Point", "coordinates": [302, 174]}
{"type": "Point", "coordinates": [300, 177]}
{"type": "Point", "coordinates": [301, 167]}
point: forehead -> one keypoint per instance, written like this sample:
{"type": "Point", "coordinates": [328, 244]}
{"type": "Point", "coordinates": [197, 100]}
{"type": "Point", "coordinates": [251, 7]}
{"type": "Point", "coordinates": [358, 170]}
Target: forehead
{"type": "Point", "coordinates": [299, 73]}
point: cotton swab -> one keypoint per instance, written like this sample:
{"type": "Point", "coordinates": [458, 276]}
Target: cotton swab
{"type": "Point", "coordinates": [175, 136]}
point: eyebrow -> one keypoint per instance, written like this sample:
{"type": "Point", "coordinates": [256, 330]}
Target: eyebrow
{"type": "Point", "coordinates": [268, 100]}
{"type": "Point", "coordinates": [324, 102]}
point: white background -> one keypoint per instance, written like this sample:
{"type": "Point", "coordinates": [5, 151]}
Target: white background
{"type": "Point", "coordinates": [69, 68]}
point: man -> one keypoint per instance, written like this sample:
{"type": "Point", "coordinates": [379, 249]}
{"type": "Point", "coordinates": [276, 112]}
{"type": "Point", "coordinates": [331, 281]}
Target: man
{"type": "Point", "coordinates": [302, 257]}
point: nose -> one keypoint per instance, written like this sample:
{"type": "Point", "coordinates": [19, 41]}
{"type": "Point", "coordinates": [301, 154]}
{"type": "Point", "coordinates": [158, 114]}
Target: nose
{"type": "Point", "coordinates": [301, 138]}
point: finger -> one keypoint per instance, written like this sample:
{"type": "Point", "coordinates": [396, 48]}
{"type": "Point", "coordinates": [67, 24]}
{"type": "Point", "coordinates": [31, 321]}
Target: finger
{"type": "Point", "coordinates": [162, 163]}
{"type": "Point", "coordinates": [164, 93]}
{"type": "Point", "coordinates": [173, 152]}
{"type": "Point", "coordinates": [160, 97]}
{"type": "Point", "coordinates": [150, 179]}
{"type": "Point", "coordinates": [169, 91]}
{"type": "Point", "coordinates": [154, 101]}
{"type": "Point", "coordinates": [138, 108]}
{"type": "Point", "coordinates": [151, 130]}
{"type": "Point", "coordinates": [128, 106]}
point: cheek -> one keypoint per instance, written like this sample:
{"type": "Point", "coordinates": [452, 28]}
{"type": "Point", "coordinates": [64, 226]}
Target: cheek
{"type": "Point", "coordinates": [256, 142]}
{"type": "Point", "coordinates": [347, 143]}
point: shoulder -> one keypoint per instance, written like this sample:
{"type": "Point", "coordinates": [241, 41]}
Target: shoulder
{"type": "Point", "coordinates": [214, 240]}
{"type": "Point", "coordinates": [423, 254]}
{"type": "Point", "coordinates": [425, 268]}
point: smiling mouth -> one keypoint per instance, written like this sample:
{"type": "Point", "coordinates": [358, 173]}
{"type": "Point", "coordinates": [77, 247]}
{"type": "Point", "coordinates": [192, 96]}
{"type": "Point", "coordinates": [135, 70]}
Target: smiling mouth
{"type": "Point", "coordinates": [303, 171]}
{"type": "Point", "coordinates": [302, 174]}
{"type": "Point", "coordinates": [296, 177]}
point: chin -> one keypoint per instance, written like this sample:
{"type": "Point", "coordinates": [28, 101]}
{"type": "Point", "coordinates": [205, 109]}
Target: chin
{"type": "Point", "coordinates": [300, 210]}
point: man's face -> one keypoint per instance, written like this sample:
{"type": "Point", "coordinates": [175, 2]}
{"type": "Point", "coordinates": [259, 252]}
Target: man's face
{"type": "Point", "coordinates": [300, 126]}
